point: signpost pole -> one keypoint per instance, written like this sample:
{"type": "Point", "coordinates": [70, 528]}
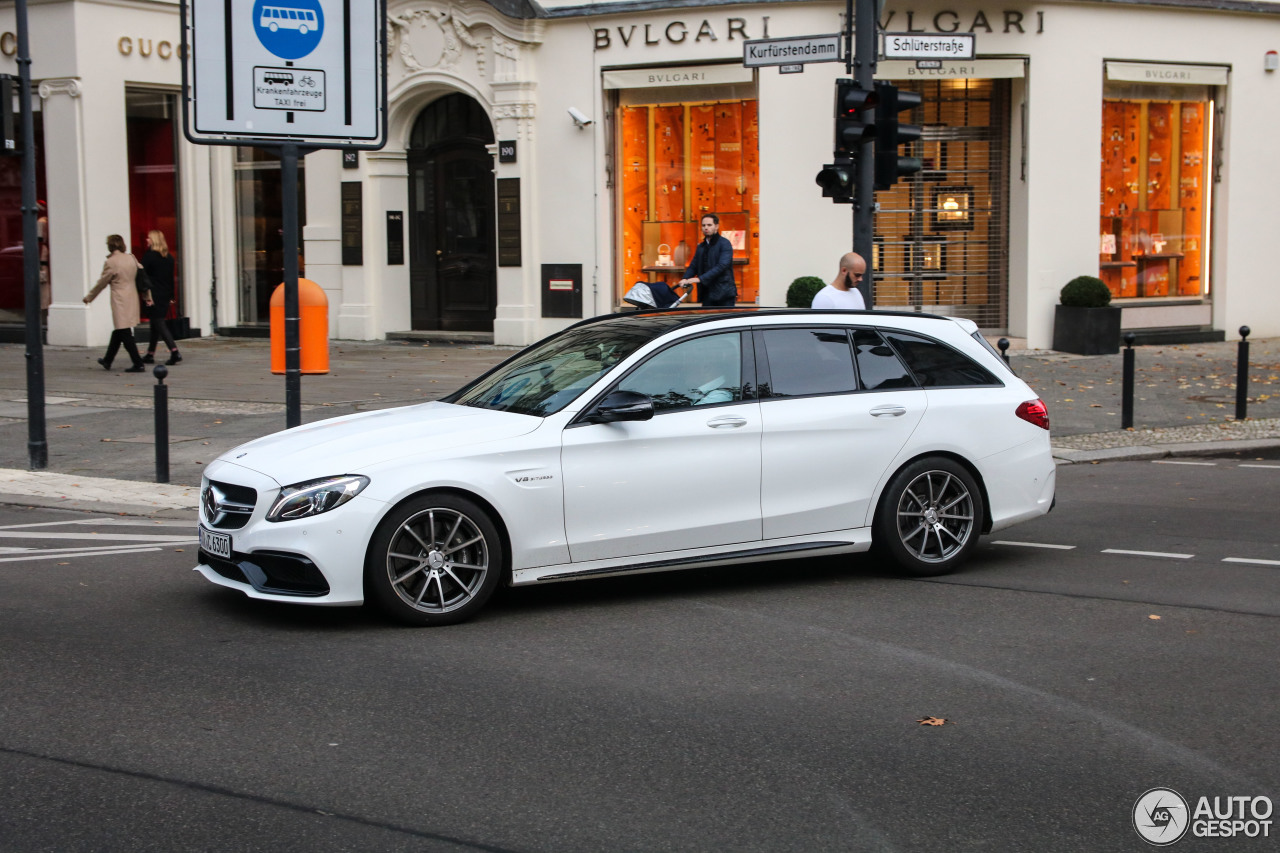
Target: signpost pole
{"type": "Point", "coordinates": [864, 70]}
{"type": "Point", "coordinates": [37, 439]}
{"type": "Point", "coordinates": [292, 349]}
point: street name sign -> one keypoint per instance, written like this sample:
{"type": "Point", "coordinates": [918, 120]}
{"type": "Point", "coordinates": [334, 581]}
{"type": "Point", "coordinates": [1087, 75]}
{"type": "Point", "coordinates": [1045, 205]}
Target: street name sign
{"type": "Point", "coordinates": [268, 72]}
{"type": "Point", "coordinates": [792, 51]}
{"type": "Point", "coordinates": [929, 46]}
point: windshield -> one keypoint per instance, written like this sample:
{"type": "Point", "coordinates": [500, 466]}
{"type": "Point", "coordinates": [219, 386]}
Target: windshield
{"type": "Point", "coordinates": [548, 377]}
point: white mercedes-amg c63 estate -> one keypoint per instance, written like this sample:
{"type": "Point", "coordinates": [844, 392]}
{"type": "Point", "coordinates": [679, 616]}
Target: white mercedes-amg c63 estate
{"type": "Point", "coordinates": [642, 442]}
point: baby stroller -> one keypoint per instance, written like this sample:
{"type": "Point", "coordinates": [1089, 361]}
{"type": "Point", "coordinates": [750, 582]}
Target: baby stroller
{"type": "Point", "coordinates": [653, 294]}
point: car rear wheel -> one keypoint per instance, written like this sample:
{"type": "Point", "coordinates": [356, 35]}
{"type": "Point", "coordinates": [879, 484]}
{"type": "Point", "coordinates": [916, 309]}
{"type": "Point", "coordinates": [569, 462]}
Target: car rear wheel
{"type": "Point", "coordinates": [931, 517]}
{"type": "Point", "coordinates": [434, 560]}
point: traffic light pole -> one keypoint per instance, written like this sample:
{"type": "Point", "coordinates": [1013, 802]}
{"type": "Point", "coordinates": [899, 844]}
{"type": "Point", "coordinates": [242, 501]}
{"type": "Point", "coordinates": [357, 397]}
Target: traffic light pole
{"type": "Point", "coordinates": [864, 70]}
{"type": "Point", "coordinates": [37, 439]}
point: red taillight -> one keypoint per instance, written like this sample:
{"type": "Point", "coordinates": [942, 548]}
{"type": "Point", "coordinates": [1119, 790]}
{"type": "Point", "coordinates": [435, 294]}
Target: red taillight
{"type": "Point", "coordinates": [1034, 412]}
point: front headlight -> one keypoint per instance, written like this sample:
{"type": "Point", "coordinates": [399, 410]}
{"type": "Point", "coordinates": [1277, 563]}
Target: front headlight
{"type": "Point", "coordinates": [313, 497]}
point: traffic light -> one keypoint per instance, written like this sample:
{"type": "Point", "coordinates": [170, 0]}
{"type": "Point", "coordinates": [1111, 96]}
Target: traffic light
{"type": "Point", "coordinates": [854, 125]}
{"type": "Point", "coordinates": [892, 133]}
{"type": "Point", "coordinates": [836, 180]}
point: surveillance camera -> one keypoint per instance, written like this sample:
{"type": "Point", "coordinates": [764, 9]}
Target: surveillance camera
{"type": "Point", "coordinates": [579, 117]}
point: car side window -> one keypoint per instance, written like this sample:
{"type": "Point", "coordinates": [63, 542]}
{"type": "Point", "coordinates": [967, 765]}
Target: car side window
{"type": "Point", "coordinates": [702, 371]}
{"type": "Point", "coordinates": [805, 362]}
{"type": "Point", "coordinates": [937, 365]}
{"type": "Point", "coordinates": [879, 367]}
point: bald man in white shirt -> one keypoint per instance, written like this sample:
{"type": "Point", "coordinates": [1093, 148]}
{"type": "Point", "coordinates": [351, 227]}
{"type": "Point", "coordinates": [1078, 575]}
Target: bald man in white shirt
{"type": "Point", "coordinates": [842, 293]}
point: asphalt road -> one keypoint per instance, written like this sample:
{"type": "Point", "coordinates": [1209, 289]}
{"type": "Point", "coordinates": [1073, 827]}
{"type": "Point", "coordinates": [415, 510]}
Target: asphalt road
{"type": "Point", "coordinates": [770, 707]}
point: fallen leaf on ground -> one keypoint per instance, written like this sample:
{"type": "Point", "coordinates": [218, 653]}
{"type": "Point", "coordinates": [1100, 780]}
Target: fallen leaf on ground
{"type": "Point", "coordinates": [1153, 616]}
{"type": "Point", "coordinates": [933, 721]}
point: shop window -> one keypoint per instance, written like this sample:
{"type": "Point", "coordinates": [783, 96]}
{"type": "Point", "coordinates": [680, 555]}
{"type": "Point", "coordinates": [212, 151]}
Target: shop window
{"type": "Point", "coordinates": [12, 293]}
{"type": "Point", "coordinates": [679, 161]}
{"type": "Point", "coordinates": [260, 229]}
{"type": "Point", "coordinates": [151, 129]}
{"type": "Point", "coordinates": [1154, 224]}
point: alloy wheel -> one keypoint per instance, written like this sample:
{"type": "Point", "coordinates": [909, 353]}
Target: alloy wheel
{"type": "Point", "coordinates": [437, 560]}
{"type": "Point", "coordinates": [935, 516]}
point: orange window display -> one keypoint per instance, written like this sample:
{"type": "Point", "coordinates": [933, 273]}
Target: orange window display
{"type": "Point", "coordinates": [679, 162]}
{"type": "Point", "coordinates": [1154, 196]}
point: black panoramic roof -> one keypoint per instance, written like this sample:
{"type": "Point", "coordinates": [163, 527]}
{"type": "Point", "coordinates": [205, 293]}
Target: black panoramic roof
{"type": "Point", "coordinates": [664, 320]}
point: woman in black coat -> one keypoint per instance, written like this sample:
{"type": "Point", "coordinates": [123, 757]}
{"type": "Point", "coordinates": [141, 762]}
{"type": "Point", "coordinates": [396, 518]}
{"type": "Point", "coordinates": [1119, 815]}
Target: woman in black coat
{"type": "Point", "coordinates": [159, 265]}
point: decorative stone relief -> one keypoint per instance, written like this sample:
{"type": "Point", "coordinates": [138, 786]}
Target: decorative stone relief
{"type": "Point", "coordinates": [431, 38]}
{"type": "Point", "coordinates": [66, 86]}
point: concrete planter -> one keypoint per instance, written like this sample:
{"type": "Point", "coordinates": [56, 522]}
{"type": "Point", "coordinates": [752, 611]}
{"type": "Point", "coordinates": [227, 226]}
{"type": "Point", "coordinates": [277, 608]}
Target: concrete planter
{"type": "Point", "coordinates": [1086, 331]}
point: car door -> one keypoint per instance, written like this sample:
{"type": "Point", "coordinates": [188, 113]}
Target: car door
{"type": "Point", "coordinates": [828, 437]}
{"type": "Point", "coordinates": [687, 478]}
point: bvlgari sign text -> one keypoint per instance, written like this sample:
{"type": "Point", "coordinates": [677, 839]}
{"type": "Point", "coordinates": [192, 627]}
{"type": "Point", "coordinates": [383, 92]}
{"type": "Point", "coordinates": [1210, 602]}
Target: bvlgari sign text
{"type": "Point", "coordinates": [708, 30]}
{"type": "Point", "coordinates": [679, 32]}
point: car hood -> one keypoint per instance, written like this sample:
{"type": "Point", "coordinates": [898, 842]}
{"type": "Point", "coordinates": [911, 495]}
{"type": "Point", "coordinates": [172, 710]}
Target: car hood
{"type": "Point", "coordinates": [352, 443]}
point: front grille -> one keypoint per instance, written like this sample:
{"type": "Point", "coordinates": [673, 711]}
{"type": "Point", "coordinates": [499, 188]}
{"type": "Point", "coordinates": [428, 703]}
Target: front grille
{"type": "Point", "coordinates": [227, 506]}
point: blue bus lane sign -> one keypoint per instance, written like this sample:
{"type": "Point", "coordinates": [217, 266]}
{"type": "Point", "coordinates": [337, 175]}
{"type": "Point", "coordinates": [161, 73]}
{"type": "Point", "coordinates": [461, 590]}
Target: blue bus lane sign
{"type": "Point", "coordinates": [289, 29]}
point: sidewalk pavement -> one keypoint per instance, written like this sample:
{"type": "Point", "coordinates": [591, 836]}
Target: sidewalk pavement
{"type": "Point", "coordinates": [101, 436]}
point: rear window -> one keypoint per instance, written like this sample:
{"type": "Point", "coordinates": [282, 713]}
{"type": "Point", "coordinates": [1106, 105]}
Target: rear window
{"type": "Point", "coordinates": [936, 365]}
{"type": "Point", "coordinates": [804, 362]}
{"type": "Point", "coordinates": [878, 365]}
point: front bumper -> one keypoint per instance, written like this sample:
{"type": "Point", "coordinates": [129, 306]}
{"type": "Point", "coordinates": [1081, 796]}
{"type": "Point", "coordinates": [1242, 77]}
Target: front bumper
{"type": "Point", "coordinates": [317, 560]}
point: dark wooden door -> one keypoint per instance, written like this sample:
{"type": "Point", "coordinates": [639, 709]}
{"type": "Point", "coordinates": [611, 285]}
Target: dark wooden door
{"type": "Point", "coordinates": [452, 231]}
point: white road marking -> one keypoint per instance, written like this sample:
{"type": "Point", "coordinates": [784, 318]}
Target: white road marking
{"type": "Point", "coordinates": [102, 522]}
{"type": "Point", "coordinates": [45, 555]}
{"type": "Point", "coordinates": [1176, 462]}
{"type": "Point", "coordinates": [89, 549]}
{"type": "Point", "coordinates": [1251, 562]}
{"type": "Point", "coordinates": [1034, 545]}
{"type": "Point", "coordinates": [1250, 465]}
{"type": "Point", "coordinates": [1148, 554]}
{"type": "Point", "coordinates": [98, 537]}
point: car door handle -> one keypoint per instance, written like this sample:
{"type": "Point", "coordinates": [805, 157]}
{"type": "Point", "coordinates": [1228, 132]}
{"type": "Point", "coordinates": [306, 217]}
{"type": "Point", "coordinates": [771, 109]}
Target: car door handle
{"type": "Point", "coordinates": [888, 411]}
{"type": "Point", "coordinates": [727, 422]}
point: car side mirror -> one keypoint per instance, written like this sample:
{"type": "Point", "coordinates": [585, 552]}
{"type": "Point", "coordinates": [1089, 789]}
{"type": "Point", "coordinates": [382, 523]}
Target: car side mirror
{"type": "Point", "coordinates": [623, 406]}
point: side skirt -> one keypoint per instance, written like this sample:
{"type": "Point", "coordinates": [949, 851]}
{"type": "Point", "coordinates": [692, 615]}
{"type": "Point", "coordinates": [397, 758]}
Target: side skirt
{"type": "Point", "coordinates": [860, 541]}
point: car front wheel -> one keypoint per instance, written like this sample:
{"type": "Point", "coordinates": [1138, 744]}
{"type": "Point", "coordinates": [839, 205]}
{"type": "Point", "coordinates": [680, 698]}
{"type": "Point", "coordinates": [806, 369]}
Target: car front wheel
{"type": "Point", "coordinates": [434, 560]}
{"type": "Point", "coordinates": [930, 518]}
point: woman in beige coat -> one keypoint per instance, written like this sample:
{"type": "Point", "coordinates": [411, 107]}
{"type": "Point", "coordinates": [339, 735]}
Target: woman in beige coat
{"type": "Point", "coordinates": [120, 272]}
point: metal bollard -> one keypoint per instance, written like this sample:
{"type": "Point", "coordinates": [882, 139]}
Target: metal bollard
{"type": "Point", "coordinates": [1242, 375]}
{"type": "Point", "coordinates": [1003, 343]}
{"type": "Point", "coordinates": [1126, 390]}
{"type": "Point", "coordinates": [162, 424]}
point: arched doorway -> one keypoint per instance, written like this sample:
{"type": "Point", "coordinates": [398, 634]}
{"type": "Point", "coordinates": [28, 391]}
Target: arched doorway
{"type": "Point", "coordinates": [452, 229]}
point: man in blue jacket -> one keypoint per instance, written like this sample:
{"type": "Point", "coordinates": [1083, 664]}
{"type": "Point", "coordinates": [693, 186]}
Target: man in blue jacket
{"type": "Point", "coordinates": [712, 267]}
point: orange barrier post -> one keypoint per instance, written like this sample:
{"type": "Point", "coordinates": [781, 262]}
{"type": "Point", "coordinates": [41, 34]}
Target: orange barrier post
{"type": "Point", "coordinates": [313, 328]}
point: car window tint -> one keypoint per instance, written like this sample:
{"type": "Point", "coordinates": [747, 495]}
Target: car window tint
{"type": "Point", "coordinates": [697, 372]}
{"type": "Point", "coordinates": [803, 362]}
{"type": "Point", "coordinates": [937, 365]}
{"type": "Point", "coordinates": [546, 378]}
{"type": "Point", "coordinates": [879, 367]}
{"type": "Point", "coordinates": [986, 344]}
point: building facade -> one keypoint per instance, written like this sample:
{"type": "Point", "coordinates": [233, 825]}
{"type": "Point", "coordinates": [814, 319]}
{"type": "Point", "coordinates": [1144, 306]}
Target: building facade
{"type": "Point", "coordinates": [543, 158]}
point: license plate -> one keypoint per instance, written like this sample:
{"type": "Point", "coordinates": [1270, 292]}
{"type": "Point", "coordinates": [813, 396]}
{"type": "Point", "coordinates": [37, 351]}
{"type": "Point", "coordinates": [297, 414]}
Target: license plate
{"type": "Point", "coordinates": [217, 544]}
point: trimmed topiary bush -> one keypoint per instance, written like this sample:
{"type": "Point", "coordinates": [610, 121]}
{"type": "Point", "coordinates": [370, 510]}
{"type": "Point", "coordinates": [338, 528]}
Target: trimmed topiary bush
{"type": "Point", "coordinates": [801, 292]}
{"type": "Point", "coordinates": [1085, 291]}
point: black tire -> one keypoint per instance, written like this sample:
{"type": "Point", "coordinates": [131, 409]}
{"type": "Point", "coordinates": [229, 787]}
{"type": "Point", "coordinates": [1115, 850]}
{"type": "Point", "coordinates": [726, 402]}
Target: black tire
{"type": "Point", "coordinates": [434, 560]}
{"type": "Point", "coordinates": [930, 517]}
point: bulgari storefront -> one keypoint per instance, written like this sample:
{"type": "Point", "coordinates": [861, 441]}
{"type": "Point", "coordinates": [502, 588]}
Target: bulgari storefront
{"type": "Point", "coordinates": [542, 159]}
